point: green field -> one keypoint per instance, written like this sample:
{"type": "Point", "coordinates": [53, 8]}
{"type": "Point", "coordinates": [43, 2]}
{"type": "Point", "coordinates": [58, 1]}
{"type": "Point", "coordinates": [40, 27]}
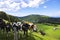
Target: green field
{"type": "Point", "coordinates": [50, 34]}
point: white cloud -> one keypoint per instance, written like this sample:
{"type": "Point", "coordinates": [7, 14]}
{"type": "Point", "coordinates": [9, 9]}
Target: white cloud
{"type": "Point", "coordinates": [23, 4]}
{"type": "Point", "coordinates": [9, 5]}
{"type": "Point", "coordinates": [34, 3]}
{"type": "Point", "coordinates": [15, 5]}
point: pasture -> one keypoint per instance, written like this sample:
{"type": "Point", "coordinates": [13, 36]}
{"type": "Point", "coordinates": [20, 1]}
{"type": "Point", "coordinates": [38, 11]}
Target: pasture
{"type": "Point", "coordinates": [50, 34]}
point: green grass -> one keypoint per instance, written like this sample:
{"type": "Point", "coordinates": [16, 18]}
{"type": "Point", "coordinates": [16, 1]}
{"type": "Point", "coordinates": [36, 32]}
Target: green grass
{"type": "Point", "coordinates": [50, 34]}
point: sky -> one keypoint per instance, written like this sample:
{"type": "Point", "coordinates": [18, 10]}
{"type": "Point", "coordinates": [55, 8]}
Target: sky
{"type": "Point", "coordinates": [22, 8]}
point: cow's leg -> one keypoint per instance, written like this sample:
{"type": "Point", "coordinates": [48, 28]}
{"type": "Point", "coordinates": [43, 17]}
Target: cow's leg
{"type": "Point", "coordinates": [2, 30]}
{"type": "Point", "coordinates": [24, 32]}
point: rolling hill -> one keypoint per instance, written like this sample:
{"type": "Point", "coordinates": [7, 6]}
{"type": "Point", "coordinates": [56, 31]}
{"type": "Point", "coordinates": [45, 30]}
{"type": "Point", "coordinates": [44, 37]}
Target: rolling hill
{"type": "Point", "coordinates": [33, 18]}
{"type": "Point", "coordinates": [48, 29]}
{"type": "Point", "coordinates": [41, 19]}
{"type": "Point", "coordinates": [7, 17]}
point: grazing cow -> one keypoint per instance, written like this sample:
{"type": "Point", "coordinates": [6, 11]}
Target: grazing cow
{"type": "Point", "coordinates": [28, 26]}
{"type": "Point", "coordinates": [14, 25]}
{"type": "Point", "coordinates": [25, 28]}
{"type": "Point", "coordinates": [19, 26]}
{"type": "Point", "coordinates": [33, 27]}
{"type": "Point", "coordinates": [42, 33]}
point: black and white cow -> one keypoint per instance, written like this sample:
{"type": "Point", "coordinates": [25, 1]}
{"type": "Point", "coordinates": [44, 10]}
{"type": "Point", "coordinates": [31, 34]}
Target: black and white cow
{"type": "Point", "coordinates": [29, 26]}
{"type": "Point", "coordinates": [17, 25]}
{"type": "Point", "coordinates": [25, 28]}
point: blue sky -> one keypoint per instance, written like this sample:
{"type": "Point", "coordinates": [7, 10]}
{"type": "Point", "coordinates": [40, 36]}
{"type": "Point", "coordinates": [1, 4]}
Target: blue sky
{"type": "Point", "coordinates": [27, 7]}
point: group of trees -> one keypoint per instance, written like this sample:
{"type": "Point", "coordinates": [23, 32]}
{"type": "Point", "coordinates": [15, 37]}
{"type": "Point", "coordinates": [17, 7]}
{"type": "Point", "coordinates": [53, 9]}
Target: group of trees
{"type": "Point", "coordinates": [50, 20]}
{"type": "Point", "coordinates": [3, 15]}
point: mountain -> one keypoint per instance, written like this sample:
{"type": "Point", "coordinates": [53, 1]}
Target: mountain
{"type": "Point", "coordinates": [41, 19]}
{"type": "Point", "coordinates": [33, 18]}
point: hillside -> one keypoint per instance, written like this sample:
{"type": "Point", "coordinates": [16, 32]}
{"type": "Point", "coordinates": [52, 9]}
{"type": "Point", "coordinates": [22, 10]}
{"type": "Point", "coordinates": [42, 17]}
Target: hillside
{"type": "Point", "coordinates": [7, 17]}
{"type": "Point", "coordinates": [51, 34]}
{"type": "Point", "coordinates": [33, 18]}
{"type": "Point", "coordinates": [41, 19]}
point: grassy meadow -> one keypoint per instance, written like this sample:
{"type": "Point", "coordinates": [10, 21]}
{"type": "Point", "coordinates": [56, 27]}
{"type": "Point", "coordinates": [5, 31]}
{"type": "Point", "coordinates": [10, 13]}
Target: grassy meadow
{"type": "Point", "coordinates": [50, 34]}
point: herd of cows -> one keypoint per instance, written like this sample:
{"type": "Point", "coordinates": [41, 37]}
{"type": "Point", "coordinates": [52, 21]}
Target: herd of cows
{"type": "Point", "coordinates": [20, 26]}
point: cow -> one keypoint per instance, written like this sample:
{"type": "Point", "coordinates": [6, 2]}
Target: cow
{"type": "Point", "coordinates": [25, 28]}
{"type": "Point", "coordinates": [14, 25]}
{"type": "Point", "coordinates": [8, 27]}
{"type": "Point", "coordinates": [2, 24]}
{"type": "Point", "coordinates": [17, 25]}
{"type": "Point", "coordinates": [28, 26]}
{"type": "Point", "coordinates": [42, 32]}
{"type": "Point", "coordinates": [33, 27]}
